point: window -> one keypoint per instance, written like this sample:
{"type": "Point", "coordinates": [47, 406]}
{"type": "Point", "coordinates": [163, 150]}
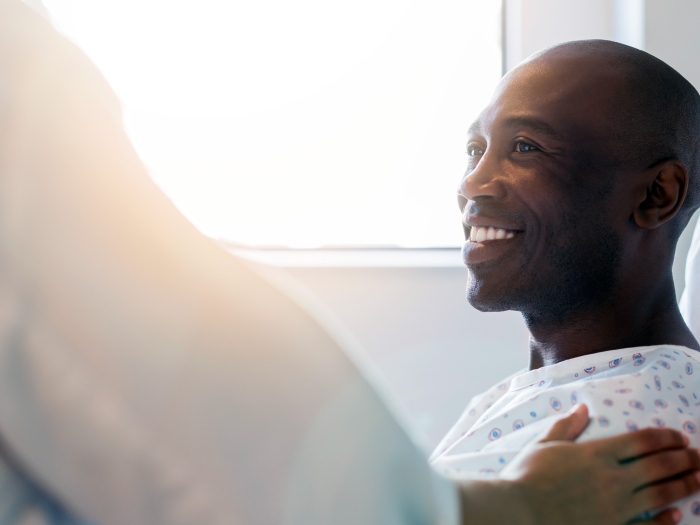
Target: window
{"type": "Point", "coordinates": [300, 124]}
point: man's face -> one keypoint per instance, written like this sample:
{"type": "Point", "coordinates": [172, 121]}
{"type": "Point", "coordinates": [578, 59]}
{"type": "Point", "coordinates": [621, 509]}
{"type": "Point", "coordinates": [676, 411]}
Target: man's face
{"type": "Point", "coordinates": [541, 170]}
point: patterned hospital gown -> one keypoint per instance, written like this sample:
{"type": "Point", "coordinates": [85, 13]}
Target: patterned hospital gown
{"type": "Point", "coordinates": [625, 390]}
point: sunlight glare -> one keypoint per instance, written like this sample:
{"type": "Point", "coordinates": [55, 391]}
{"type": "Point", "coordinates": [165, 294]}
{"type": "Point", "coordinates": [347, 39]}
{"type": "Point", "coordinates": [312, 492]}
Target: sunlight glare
{"type": "Point", "coordinates": [301, 124]}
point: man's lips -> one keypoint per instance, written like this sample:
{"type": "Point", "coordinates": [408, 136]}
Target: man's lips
{"type": "Point", "coordinates": [487, 242]}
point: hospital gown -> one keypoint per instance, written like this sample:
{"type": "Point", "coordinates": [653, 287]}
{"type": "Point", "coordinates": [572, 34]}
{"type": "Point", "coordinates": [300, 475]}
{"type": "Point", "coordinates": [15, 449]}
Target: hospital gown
{"type": "Point", "coordinates": [625, 390]}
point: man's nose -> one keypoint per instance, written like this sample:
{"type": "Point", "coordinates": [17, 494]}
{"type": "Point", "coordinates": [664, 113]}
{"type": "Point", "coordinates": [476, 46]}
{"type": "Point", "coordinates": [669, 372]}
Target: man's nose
{"type": "Point", "coordinates": [482, 181]}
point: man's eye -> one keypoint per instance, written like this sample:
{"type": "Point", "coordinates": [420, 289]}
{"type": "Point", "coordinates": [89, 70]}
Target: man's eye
{"type": "Point", "coordinates": [524, 147]}
{"type": "Point", "coordinates": [474, 150]}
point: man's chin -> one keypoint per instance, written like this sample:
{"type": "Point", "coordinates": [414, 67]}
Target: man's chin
{"type": "Point", "coordinates": [488, 300]}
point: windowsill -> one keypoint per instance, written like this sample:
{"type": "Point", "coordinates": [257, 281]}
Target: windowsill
{"type": "Point", "coordinates": [352, 257]}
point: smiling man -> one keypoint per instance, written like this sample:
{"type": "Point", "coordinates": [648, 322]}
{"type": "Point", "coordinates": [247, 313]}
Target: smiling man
{"type": "Point", "coordinates": [582, 175]}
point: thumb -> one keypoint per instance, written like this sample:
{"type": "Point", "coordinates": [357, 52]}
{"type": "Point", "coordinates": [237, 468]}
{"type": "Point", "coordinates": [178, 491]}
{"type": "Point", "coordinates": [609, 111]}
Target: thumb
{"type": "Point", "coordinates": [570, 426]}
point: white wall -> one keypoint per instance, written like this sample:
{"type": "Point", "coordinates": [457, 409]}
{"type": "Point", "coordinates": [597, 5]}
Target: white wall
{"type": "Point", "coordinates": [533, 25]}
{"type": "Point", "coordinates": [434, 350]}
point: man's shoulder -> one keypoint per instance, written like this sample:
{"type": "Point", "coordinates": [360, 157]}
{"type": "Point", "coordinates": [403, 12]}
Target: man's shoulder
{"type": "Point", "coordinates": [660, 388]}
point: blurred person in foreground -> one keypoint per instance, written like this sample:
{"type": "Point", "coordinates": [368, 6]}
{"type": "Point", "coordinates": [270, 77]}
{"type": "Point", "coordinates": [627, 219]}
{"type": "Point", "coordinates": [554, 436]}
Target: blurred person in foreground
{"type": "Point", "coordinates": [583, 172]}
{"type": "Point", "coordinates": [149, 377]}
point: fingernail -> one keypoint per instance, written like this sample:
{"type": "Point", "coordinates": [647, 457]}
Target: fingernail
{"type": "Point", "coordinates": [676, 515]}
{"type": "Point", "coordinates": [686, 441]}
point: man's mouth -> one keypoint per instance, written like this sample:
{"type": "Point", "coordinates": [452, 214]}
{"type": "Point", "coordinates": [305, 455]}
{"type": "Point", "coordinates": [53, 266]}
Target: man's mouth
{"type": "Point", "coordinates": [488, 243]}
{"type": "Point", "coordinates": [481, 234]}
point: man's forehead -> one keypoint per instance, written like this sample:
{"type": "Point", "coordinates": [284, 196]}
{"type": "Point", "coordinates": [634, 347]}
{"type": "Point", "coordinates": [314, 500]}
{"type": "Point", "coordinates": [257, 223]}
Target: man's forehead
{"type": "Point", "coordinates": [553, 99]}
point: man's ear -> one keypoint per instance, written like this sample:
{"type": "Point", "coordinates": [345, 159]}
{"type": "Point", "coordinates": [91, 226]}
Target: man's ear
{"type": "Point", "coordinates": [667, 184]}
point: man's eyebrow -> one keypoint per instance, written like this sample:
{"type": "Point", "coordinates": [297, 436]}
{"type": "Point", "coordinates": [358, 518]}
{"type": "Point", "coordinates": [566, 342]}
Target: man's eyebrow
{"type": "Point", "coordinates": [532, 123]}
{"type": "Point", "coordinates": [523, 122]}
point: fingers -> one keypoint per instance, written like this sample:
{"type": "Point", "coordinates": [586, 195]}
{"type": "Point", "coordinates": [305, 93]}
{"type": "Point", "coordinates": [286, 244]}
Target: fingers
{"type": "Point", "coordinates": [569, 427]}
{"type": "Point", "coordinates": [646, 441]}
{"type": "Point", "coordinates": [663, 465]}
{"type": "Point", "coordinates": [667, 517]}
{"type": "Point", "coordinates": [665, 493]}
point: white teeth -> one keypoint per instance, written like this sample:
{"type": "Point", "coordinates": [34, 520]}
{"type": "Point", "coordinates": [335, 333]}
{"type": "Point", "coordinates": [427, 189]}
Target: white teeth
{"type": "Point", "coordinates": [481, 234]}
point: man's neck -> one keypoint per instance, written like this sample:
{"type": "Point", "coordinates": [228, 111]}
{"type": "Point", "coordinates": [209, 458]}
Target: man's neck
{"type": "Point", "coordinates": [646, 319]}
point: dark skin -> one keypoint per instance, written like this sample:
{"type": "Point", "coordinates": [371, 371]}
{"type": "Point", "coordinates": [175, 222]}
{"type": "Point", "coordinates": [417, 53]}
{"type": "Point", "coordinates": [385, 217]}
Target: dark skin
{"type": "Point", "coordinates": [590, 255]}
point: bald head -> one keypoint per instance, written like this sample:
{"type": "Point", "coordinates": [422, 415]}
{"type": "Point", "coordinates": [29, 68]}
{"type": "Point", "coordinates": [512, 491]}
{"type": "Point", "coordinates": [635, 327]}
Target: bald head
{"type": "Point", "coordinates": [653, 111]}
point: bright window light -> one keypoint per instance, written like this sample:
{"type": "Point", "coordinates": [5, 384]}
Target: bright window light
{"type": "Point", "coordinates": [302, 124]}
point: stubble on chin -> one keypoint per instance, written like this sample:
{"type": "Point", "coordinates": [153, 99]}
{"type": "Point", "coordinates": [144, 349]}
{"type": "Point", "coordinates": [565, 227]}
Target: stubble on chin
{"type": "Point", "coordinates": [577, 273]}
